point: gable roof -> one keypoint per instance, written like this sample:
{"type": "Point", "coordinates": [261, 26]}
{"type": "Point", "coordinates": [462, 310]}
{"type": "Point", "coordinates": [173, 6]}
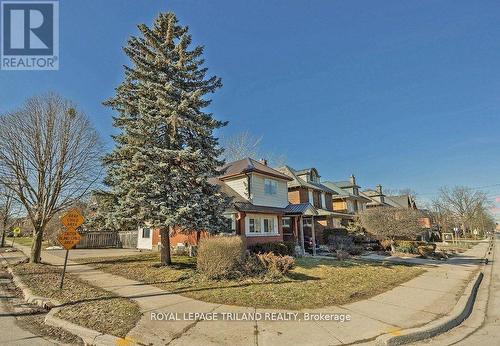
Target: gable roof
{"type": "Point", "coordinates": [296, 181]}
{"type": "Point", "coordinates": [337, 189]}
{"type": "Point", "coordinates": [402, 201]}
{"type": "Point", "coordinates": [345, 183]}
{"type": "Point", "coordinates": [249, 165]}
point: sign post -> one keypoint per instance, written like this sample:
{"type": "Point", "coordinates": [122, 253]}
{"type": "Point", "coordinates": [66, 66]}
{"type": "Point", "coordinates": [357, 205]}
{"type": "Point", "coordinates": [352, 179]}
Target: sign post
{"type": "Point", "coordinates": [69, 238]}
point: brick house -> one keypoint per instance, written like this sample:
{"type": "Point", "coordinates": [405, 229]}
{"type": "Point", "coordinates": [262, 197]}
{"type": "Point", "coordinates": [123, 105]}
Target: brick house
{"type": "Point", "coordinates": [347, 200]}
{"type": "Point", "coordinates": [260, 201]}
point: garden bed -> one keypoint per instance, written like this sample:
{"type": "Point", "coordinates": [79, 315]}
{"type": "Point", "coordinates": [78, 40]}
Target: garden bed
{"type": "Point", "coordinates": [312, 283]}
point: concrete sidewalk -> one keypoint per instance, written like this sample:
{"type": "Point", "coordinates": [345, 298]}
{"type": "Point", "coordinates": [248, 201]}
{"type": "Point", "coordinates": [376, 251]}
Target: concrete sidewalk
{"type": "Point", "coordinates": [414, 303]}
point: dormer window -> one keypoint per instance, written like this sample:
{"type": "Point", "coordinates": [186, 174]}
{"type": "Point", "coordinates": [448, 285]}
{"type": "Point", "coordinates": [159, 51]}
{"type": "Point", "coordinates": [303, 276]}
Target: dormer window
{"type": "Point", "coordinates": [270, 187]}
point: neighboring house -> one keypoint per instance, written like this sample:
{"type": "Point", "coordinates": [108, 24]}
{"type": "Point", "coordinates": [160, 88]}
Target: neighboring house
{"type": "Point", "coordinates": [376, 197]}
{"type": "Point", "coordinates": [347, 200]}
{"type": "Point", "coordinates": [402, 201]}
{"type": "Point", "coordinates": [260, 201]}
{"type": "Point", "coordinates": [304, 189]}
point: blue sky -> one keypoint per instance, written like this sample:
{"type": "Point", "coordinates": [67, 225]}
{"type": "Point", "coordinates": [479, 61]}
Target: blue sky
{"type": "Point", "coordinates": [401, 93]}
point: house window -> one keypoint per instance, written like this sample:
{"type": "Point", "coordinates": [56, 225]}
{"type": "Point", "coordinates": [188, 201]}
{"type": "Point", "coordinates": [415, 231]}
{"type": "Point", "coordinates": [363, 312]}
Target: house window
{"type": "Point", "coordinates": [268, 225]}
{"type": "Point", "coordinates": [286, 222]}
{"type": "Point", "coordinates": [270, 187]}
{"type": "Point", "coordinates": [146, 233]}
{"type": "Point", "coordinates": [262, 225]}
{"type": "Point", "coordinates": [254, 225]}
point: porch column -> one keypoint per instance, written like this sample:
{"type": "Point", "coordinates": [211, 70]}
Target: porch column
{"type": "Point", "coordinates": [313, 236]}
{"type": "Point", "coordinates": [296, 230]}
{"type": "Point", "coordinates": [301, 225]}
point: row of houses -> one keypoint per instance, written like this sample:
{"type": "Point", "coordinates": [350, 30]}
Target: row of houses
{"type": "Point", "coordinates": [285, 204]}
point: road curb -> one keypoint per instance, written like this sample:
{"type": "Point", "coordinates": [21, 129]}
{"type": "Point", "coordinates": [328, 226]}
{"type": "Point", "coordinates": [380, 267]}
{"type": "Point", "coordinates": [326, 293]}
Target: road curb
{"type": "Point", "coordinates": [89, 336]}
{"type": "Point", "coordinates": [460, 312]}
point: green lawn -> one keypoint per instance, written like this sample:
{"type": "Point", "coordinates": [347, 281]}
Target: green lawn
{"type": "Point", "coordinates": [312, 283]}
{"type": "Point", "coordinates": [26, 241]}
{"type": "Point", "coordinates": [82, 303]}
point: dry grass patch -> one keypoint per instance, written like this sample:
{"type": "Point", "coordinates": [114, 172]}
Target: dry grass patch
{"type": "Point", "coordinates": [82, 303]}
{"type": "Point", "coordinates": [312, 283]}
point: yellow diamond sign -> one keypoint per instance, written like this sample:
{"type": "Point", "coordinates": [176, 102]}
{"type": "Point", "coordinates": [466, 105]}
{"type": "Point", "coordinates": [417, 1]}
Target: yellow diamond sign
{"type": "Point", "coordinates": [72, 219]}
{"type": "Point", "coordinates": [69, 238]}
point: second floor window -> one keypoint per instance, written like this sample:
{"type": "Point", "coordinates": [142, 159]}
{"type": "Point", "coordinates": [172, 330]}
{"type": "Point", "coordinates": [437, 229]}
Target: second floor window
{"type": "Point", "coordinates": [270, 187]}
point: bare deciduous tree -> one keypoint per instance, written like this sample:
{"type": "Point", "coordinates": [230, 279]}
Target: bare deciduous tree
{"type": "Point", "coordinates": [462, 205]}
{"type": "Point", "coordinates": [49, 158]}
{"type": "Point", "coordinates": [244, 144]}
{"type": "Point", "coordinates": [392, 223]}
{"type": "Point", "coordinates": [7, 211]}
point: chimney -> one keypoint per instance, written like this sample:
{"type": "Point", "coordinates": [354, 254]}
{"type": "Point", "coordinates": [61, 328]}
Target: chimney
{"type": "Point", "coordinates": [379, 189]}
{"type": "Point", "coordinates": [352, 179]}
{"type": "Point", "coordinates": [263, 161]}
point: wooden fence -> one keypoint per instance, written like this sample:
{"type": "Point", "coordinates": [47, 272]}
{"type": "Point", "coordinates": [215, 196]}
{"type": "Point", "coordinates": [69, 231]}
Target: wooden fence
{"type": "Point", "coordinates": [101, 240]}
{"type": "Point", "coordinates": [97, 240]}
{"type": "Point", "coordinates": [127, 240]}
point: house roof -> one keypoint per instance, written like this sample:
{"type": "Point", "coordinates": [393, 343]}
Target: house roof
{"type": "Point", "coordinates": [301, 209]}
{"type": "Point", "coordinates": [337, 189]}
{"type": "Point", "coordinates": [372, 193]}
{"type": "Point", "coordinates": [402, 201]}
{"type": "Point", "coordinates": [249, 165]}
{"type": "Point", "coordinates": [299, 182]}
{"type": "Point", "coordinates": [344, 183]}
{"type": "Point", "coordinates": [341, 193]}
{"type": "Point", "coordinates": [252, 208]}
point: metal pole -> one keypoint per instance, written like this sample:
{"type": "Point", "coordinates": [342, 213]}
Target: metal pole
{"type": "Point", "coordinates": [64, 270]}
{"type": "Point", "coordinates": [13, 237]}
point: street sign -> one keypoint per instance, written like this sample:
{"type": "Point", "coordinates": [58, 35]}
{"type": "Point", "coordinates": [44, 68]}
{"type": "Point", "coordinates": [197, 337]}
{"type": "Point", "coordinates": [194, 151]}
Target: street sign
{"type": "Point", "coordinates": [72, 219]}
{"type": "Point", "coordinates": [69, 238]}
{"type": "Point", "coordinates": [16, 231]}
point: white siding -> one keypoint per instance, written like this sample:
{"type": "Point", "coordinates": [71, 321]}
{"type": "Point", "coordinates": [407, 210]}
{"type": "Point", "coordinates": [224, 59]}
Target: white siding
{"type": "Point", "coordinates": [239, 185]}
{"type": "Point", "coordinates": [259, 197]}
{"type": "Point", "coordinates": [145, 243]}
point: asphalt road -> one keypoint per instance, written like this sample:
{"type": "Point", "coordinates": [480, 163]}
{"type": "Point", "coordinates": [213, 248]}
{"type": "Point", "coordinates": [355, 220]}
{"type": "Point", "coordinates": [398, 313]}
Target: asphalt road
{"type": "Point", "coordinates": [489, 333]}
{"type": "Point", "coordinates": [10, 332]}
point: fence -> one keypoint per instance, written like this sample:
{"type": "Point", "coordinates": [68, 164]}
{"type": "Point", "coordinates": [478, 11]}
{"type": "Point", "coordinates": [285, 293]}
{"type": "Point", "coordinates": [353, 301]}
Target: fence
{"type": "Point", "coordinates": [127, 240]}
{"type": "Point", "coordinates": [98, 240]}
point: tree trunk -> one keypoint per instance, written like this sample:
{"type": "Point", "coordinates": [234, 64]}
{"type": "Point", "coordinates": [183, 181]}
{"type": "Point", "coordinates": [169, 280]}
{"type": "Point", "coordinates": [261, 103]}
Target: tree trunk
{"type": "Point", "coordinates": [393, 247]}
{"type": "Point", "coordinates": [4, 231]}
{"type": "Point", "coordinates": [165, 258]}
{"type": "Point", "coordinates": [36, 247]}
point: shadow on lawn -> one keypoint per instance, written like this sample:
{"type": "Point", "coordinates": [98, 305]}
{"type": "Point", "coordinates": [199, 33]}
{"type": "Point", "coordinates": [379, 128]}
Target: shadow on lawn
{"type": "Point", "coordinates": [178, 261]}
{"type": "Point", "coordinates": [186, 289]}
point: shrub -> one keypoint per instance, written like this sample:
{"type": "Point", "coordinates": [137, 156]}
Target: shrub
{"type": "Point", "coordinates": [386, 244]}
{"type": "Point", "coordinates": [275, 266]}
{"type": "Point", "coordinates": [406, 247]}
{"type": "Point", "coordinates": [342, 255]}
{"type": "Point", "coordinates": [220, 257]}
{"type": "Point", "coordinates": [355, 250]}
{"type": "Point", "coordinates": [426, 250]}
{"type": "Point", "coordinates": [329, 234]}
{"type": "Point", "coordinates": [277, 248]}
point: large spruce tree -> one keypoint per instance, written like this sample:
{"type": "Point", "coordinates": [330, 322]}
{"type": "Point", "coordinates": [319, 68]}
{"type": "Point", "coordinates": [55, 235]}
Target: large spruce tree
{"type": "Point", "coordinates": [166, 151]}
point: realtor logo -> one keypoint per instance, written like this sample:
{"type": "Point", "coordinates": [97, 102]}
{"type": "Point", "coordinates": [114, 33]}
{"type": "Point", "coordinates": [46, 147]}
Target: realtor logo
{"type": "Point", "coordinates": [29, 35]}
